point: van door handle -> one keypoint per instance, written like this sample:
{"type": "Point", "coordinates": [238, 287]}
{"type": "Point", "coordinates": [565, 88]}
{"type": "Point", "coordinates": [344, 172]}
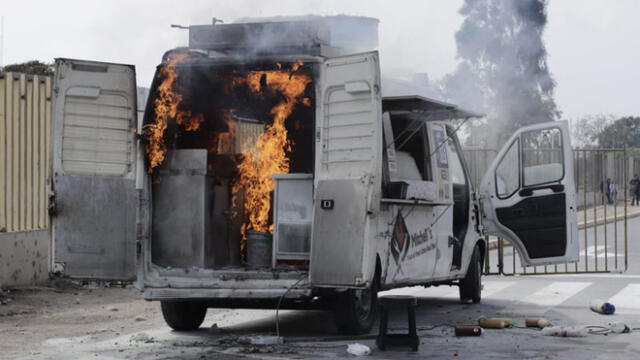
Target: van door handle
{"type": "Point", "coordinates": [528, 191]}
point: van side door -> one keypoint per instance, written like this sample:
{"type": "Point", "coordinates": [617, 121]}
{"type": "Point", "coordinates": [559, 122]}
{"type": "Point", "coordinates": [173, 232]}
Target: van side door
{"type": "Point", "coordinates": [528, 195]}
{"type": "Point", "coordinates": [94, 122]}
{"type": "Point", "coordinates": [348, 171]}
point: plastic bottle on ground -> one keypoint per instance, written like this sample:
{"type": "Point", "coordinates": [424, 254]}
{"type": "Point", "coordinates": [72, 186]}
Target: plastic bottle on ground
{"type": "Point", "coordinates": [619, 327]}
{"type": "Point", "coordinates": [602, 307]}
{"type": "Point", "coordinates": [564, 331]}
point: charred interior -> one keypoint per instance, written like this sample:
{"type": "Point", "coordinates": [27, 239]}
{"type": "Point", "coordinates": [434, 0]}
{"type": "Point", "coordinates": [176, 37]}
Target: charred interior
{"type": "Point", "coordinates": [215, 135]}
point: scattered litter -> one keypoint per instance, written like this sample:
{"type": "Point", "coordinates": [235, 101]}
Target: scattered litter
{"type": "Point", "coordinates": [358, 349]}
{"type": "Point", "coordinates": [262, 350]}
{"type": "Point", "coordinates": [77, 301]}
{"type": "Point", "coordinates": [619, 328]}
{"type": "Point", "coordinates": [261, 340]}
{"type": "Point", "coordinates": [538, 322]}
{"type": "Point", "coordinates": [468, 330]}
{"type": "Point", "coordinates": [495, 323]}
{"type": "Point", "coordinates": [564, 331]}
{"type": "Point", "coordinates": [508, 322]}
{"type": "Point", "coordinates": [141, 337]}
{"type": "Point", "coordinates": [140, 318]}
{"type": "Point", "coordinates": [112, 308]}
{"type": "Point", "coordinates": [602, 307]}
{"type": "Point", "coordinates": [614, 327]}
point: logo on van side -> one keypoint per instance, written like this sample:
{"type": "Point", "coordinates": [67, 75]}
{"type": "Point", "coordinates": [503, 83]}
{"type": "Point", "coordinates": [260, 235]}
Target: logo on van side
{"type": "Point", "coordinates": [399, 239]}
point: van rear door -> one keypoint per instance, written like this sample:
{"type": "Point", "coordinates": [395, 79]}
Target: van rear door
{"type": "Point", "coordinates": [347, 172]}
{"type": "Point", "coordinates": [528, 195]}
{"type": "Point", "coordinates": [94, 118]}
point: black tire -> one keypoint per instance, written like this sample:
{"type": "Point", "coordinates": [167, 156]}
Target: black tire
{"type": "Point", "coordinates": [471, 285]}
{"type": "Point", "coordinates": [355, 311]}
{"type": "Point", "coordinates": [183, 315]}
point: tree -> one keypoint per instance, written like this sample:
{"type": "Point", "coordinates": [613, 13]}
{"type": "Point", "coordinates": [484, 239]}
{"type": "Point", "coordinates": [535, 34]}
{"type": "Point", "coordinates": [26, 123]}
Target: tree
{"type": "Point", "coordinates": [620, 133]}
{"type": "Point", "coordinates": [33, 67]}
{"type": "Point", "coordinates": [585, 130]}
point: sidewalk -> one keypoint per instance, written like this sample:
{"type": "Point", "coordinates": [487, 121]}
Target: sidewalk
{"type": "Point", "coordinates": [612, 213]}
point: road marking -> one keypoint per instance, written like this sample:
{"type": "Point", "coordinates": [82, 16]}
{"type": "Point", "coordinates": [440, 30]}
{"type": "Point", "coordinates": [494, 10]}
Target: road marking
{"type": "Point", "coordinates": [627, 300]}
{"type": "Point", "coordinates": [492, 287]}
{"type": "Point", "coordinates": [555, 293]}
{"type": "Point", "coordinates": [445, 291]}
{"type": "Point", "coordinates": [591, 252]}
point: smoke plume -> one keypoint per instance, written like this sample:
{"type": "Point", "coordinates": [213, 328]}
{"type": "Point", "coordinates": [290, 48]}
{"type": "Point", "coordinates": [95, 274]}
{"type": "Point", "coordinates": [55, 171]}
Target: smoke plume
{"type": "Point", "coordinates": [503, 68]}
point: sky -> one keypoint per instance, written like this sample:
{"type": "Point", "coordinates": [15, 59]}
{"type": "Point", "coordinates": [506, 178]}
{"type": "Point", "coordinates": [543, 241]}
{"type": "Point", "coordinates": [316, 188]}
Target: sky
{"type": "Point", "coordinates": [593, 45]}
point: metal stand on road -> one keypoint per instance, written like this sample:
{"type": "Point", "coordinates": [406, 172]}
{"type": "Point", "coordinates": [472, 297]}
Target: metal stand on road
{"type": "Point", "coordinates": [409, 339]}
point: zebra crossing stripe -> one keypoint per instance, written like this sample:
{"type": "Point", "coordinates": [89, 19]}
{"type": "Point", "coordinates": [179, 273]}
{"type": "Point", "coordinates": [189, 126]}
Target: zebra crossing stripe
{"type": "Point", "coordinates": [555, 293]}
{"type": "Point", "coordinates": [627, 300]}
{"type": "Point", "coordinates": [492, 287]}
{"type": "Point", "coordinates": [447, 292]}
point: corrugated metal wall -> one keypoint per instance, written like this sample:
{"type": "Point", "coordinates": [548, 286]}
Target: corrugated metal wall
{"type": "Point", "coordinates": [25, 142]}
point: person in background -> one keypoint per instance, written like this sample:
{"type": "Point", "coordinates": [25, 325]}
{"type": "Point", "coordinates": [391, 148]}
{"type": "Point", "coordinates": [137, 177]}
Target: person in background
{"type": "Point", "coordinates": [614, 192]}
{"type": "Point", "coordinates": [608, 189]}
{"type": "Point", "coordinates": [634, 190]}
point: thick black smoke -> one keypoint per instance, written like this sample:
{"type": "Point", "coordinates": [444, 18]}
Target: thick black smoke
{"type": "Point", "coordinates": [503, 68]}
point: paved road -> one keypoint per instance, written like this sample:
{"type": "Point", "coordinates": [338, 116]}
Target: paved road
{"type": "Point", "coordinates": [563, 299]}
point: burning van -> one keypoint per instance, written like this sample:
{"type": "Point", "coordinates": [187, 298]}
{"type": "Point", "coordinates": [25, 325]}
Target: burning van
{"type": "Point", "coordinates": [271, 171]}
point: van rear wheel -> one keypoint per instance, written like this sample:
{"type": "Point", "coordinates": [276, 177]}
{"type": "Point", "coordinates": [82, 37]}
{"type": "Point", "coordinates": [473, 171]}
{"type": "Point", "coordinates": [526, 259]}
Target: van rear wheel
{"type": "Point", "coordinates": [355, 311]}
{"type": "Point", "coordinates": [183, 315]}
{"type": "Point", "coordinates": [471, 285]}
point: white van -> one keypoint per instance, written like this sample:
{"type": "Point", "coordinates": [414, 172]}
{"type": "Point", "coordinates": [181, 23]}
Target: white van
{"type": "Point", "coordinates": [377, 194]}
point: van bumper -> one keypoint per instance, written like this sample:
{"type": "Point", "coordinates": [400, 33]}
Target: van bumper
{"type": "Point", "coordinates": [212, 294]}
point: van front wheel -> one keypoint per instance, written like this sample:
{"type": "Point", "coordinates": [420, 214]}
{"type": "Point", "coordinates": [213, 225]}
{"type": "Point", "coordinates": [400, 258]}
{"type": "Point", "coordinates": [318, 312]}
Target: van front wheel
{"type": "Point", "coordinates": [355, 311]}
{"type": "Point", "coordinates": [471, 285]}
{"type": "Point", "coordinates": [183, 315]}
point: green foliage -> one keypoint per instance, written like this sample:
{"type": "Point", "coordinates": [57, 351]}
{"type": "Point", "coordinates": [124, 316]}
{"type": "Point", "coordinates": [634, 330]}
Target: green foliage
{"type": "Point", "coordinates": [585, 130]}
{"type": "Point", "coordinates": [620, 133]}
{"type": "Point", "coordinates": [33, 67]}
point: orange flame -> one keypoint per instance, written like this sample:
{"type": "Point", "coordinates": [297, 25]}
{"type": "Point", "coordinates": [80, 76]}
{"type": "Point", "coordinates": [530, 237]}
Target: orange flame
{"type": "Point", "coordinates": [223, 142]}
{"type": "Point", "coordinates": [268, 155]}
{"type": "Point", "coordinates": [261, 158]}
{"type": "Point", "coordinates": [166, 106]}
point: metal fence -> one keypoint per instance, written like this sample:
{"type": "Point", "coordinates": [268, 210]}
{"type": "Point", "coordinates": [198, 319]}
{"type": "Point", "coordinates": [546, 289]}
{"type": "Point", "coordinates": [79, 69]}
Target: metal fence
{"type": "Point", "coordinates": [25, 127]}
{"type": "Point", "coordinates": [602, 214]}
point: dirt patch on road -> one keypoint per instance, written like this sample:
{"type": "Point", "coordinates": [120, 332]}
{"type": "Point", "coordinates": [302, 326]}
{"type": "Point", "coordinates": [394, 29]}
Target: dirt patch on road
{"type": "Point", "coordinates": [33, 316]}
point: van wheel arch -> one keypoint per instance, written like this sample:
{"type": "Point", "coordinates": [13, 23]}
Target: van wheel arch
{"type": "Point", "coordinates": [352, 315]}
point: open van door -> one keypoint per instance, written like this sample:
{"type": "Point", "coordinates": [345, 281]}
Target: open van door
{"type": "Point", "coordinates": [348, 171]}
{"type": "Point", "coordinates": [528, 195]}
{"type": "Point", "coordinates": [93, 207]}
